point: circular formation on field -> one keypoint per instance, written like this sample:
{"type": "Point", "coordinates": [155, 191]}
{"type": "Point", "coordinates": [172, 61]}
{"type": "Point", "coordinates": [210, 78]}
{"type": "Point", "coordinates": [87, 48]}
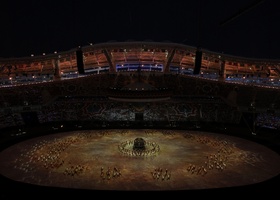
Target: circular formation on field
{"type": "Point", "coordinates": [139, 147]}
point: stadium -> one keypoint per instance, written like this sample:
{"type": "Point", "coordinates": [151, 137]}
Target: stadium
{"type": "Point", "coordinates": [128, 95]}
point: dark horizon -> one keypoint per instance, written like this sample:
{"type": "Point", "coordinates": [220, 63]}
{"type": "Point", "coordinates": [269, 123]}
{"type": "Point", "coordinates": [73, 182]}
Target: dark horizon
{"type": "Point", "coordinates": [246, 28]}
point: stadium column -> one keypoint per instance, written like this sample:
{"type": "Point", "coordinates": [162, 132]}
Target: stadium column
{"type": "Point", "coordinates": [57, 70]}
{"type": "Point", "coordinates": [198, 59]}
{"type": "Point", "coordinates": [80, 60]}
{"type": "Point", "coordinates": [222, 70]}
{"type": "Point", "coordinates": [169, 60]}
{"type": "Point", "coordinates": [112, 65]}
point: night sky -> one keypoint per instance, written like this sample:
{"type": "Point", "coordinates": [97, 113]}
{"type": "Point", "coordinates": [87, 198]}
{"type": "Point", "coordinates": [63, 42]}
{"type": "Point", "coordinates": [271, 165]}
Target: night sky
{"type": "Point", "coordinates": [247, 28]}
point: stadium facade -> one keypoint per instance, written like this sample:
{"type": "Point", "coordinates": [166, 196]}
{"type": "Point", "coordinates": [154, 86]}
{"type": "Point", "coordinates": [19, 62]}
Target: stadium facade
{"type": "Point", "coordinates": [139, 83]}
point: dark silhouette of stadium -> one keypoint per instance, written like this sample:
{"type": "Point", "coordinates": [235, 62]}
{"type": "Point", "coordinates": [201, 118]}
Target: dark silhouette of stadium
{"type": "Point", "coordinates": [139, 85]}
